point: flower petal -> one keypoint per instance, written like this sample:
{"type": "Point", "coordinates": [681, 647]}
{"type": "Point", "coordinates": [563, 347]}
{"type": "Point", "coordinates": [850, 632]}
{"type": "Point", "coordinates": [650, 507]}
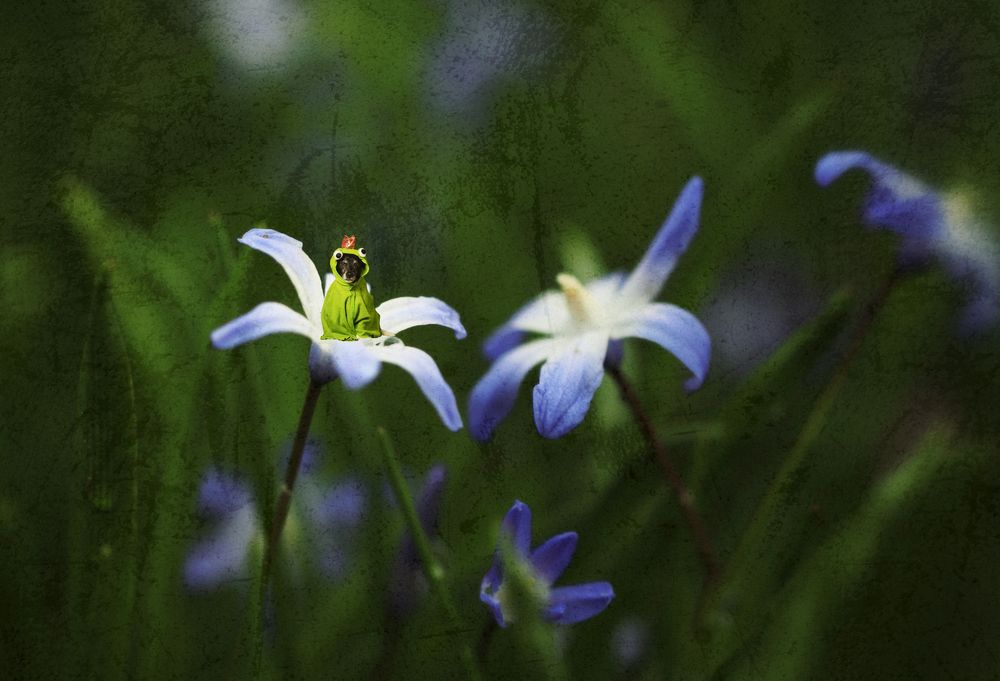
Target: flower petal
{"type": "Point", "coordinates": [493, 396]}
{"type": "Point", "coordinates": [517, 526]}
{"type": "Point", "coordinates": [551, 558]}
{"type": "Point", "coordinates": [328, 282]}
{"type": "Point", "coordinates": [429, 498]}
{"type": "Point", "coordinates": [669, 243]}
{"type": "Point", "coordinates": [494, 606]}
{"type": "Point", "coordinates": [605, 289]}
{"type": "Point", "coordinates": [222, 494]}
{"type": "Point", "coordinates": [222, 556]}
{"type": "Point", "coordinates": [263, 320]}
{"type": "Point", "coordinates": [297, 265]}
{"type": "Point", "coordinates": [400, 314]}
{"type": "Point", "coordinates": [547, 313]}
{"type": "Point", "coordinates": [502, 340]}
{"type": "Point", "coordinates": [675, 330]}
{"type": "Point", "coordinates": [351, 361]}
{"type": "Point", "coordinates": [896, 200]}
{"type": "Point", "coordinates": [567, 383]}
{"type": "Point", "coordinates": [427, 375]}
{"type": "Point", "coordinates": [572, 604]}
{"type": "Point", "coordinates": [343, 505]}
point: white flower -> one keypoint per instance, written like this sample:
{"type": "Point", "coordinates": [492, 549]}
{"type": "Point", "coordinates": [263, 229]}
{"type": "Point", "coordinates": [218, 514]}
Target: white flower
{"type": "Point", "coordinates": [582, 324]}
{"type": "Point", "coordinates": [356, 363]}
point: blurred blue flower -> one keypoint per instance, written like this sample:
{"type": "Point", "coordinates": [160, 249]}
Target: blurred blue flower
{"type": "Point", "coordinates": [356, 363]}
{"type": "Point", "coordinates": [333, 514]}
{"type": "Point", "coordinates": [563, 605]}
{"type": "Point", "coordinates": [407, 582]}
{"type": "Point", "coordinates": [222, 555]}
{"type": "Point", "coordinates": [932, 225]}
{"type": "Point", "coordinates": [584, 326]}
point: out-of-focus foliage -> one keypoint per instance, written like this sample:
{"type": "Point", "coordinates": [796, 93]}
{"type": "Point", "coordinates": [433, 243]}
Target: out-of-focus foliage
{"type": "Point", "coordinates": [480, 149]}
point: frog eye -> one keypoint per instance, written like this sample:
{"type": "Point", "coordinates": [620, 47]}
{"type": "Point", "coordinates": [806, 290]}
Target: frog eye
{"type": "Point", "coordinates": [338, 254]}
{"type": "Point", "coordinates": [363, 252]}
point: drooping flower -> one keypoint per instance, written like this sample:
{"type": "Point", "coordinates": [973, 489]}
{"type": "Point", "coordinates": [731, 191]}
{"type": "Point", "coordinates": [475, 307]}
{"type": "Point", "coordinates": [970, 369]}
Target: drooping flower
{"type": "Point", "coordinates": [583, 325]}
{"type": "Point", "coordinates": [356, 363]}
{"type": "Point", "coordinates": [932, 224]}
{"type": "Point", "coordinates": [562, 605]}
{"type": "Point", "coordinates": [332, 515]}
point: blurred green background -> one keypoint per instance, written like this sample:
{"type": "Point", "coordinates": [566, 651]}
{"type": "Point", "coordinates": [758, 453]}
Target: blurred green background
{"type": "Point", "coordinates": [478, 149]}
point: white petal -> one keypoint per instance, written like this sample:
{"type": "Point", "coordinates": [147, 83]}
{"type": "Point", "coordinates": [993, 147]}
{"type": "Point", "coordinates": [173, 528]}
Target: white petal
{"type": "Point", "coordinates": [400, 314]}
{"type": "Point", "coordinates": [677, 331]}
{"type": "Point", "coordinates": [327, 282]}
{"type": "Point", "coordinates": [263, 320]}
{"type": "Point", "coordinates": [427, 375]}
{"type": "Point", "coordinates": [351, 361]}
{"type": "Point", "coordinates": [297, 265]}
{"type": "Point", "coordinates": [547, 313]}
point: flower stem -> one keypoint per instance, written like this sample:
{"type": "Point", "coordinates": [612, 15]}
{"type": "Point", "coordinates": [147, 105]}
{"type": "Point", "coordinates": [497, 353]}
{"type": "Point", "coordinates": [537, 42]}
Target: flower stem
{"type": "Point", "coordinates": [703, 542]}
{"type": "Point", "coordinates": [432, 568]}
{"type": "Point", "coordinates": [291, 473]}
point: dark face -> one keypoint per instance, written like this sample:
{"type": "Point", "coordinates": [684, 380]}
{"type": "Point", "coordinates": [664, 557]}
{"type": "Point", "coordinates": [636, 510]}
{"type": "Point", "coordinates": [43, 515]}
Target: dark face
{"type": "Point", "coordinates": [350, 268]}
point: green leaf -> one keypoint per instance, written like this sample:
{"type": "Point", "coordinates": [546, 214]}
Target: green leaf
{"type": "Point", "coordinates": [104, 523]}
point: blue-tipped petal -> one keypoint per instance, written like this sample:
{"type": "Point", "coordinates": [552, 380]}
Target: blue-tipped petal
{"type": "Point", "coordinates": [669, 243]}
{"type": "Point", "coordinates": [568, 382]}
{"type": "Point", "coordinates": [502, 340]}
{"type": "Point", "coordinates": [222, 556]}
{"type": "Point", "coordinates": [263, 320]}
{"type": "Point", "coordinates": [678, 332]}
{"type": "Point", "coordinates": [400, 314]}
{"type": "Point", "coordinates": [572, 604]}
{"type": "Point", "coordinates": [494, 395]}
{"type": "Point", "coordinates": [517, 526]}
{"type": "Point", "coordinates": [222, 494]}
{"type": "Point", "coordinates": [297, 265]}
{"type": "Point", "coordinates": [494, 606]}
{"type": "Point", "coordinates": [551, 558]}
{"type": "Point", "coordinates": [896, 200]}
{"type": "Point", "coordinates": [427, 375]}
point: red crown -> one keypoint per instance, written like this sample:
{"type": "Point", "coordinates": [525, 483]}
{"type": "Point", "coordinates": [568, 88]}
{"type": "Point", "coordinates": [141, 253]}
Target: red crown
{"type": "Point", "coordinates": [349, 241]}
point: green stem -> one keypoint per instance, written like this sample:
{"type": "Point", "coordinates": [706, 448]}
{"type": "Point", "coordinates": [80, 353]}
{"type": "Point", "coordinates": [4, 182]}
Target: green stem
{"type": "Point", "coordinates": [432, 568]}
{"type": "Point", "coordinates": [685, 500]}
{"type": "Point", "coordinates": [291, 473]}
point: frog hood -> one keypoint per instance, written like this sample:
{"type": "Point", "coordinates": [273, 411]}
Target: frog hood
{"type": "Point", "coordinates": [349, 246]}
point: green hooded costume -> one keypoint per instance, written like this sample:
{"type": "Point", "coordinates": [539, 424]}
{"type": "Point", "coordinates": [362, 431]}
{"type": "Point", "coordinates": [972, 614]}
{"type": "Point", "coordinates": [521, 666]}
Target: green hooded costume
{"type": "Point", "coordinates": [349, 309]}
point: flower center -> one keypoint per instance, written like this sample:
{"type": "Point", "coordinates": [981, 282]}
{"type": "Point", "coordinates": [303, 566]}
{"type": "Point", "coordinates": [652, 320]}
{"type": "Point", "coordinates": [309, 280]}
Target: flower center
{"type": "Point", "coordinates": [510, 603]}
{"type": "Point", "coordinates": [581, 304]}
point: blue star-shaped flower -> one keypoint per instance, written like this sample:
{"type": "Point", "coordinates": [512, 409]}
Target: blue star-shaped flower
{"type": "Point", "coordinates": [563, 605]}
{"type": "Point", "coordinates": [932, 224]}
{"type": "Point", "coordinates": [582, 324]}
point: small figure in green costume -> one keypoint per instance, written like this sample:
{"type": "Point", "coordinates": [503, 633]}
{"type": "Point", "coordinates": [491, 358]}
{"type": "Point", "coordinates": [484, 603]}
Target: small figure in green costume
{"type": "Point", "coordinates": [349, 309]}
